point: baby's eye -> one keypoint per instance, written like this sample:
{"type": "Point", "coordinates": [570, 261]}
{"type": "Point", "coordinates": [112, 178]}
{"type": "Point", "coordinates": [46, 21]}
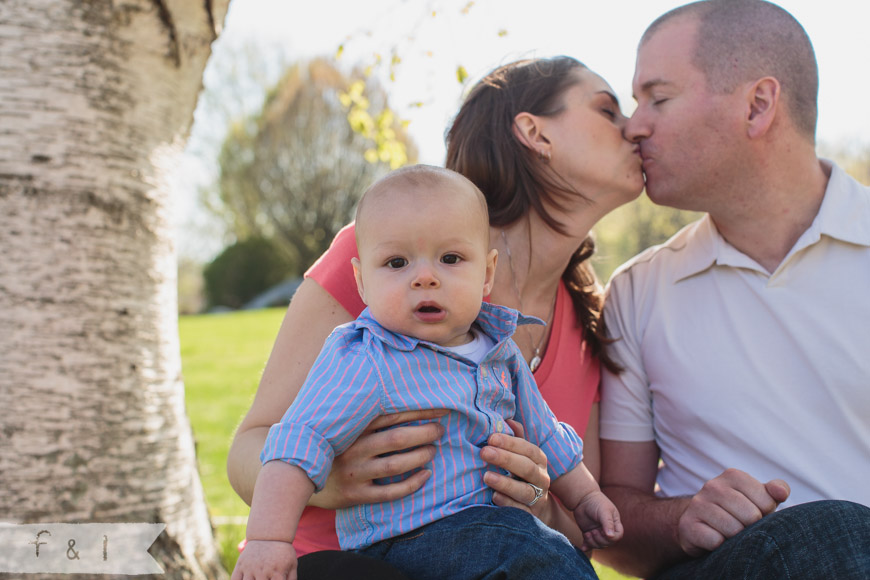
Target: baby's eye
{"type": "Point", "coordinates": [396, 263]}
{"type": "Point", "coordinates": [451, 259]}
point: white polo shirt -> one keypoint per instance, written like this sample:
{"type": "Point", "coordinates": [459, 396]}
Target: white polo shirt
{"type": "Point", "coordinates": [727, 365]}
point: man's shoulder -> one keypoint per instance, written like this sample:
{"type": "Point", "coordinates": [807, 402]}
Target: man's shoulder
{"type": "Point", "coordinates": [660, 260]}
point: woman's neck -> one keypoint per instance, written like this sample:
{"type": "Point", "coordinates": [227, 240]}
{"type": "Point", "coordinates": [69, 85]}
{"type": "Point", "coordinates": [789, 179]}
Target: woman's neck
{"type": "Point", "coordinates": [531, 260]}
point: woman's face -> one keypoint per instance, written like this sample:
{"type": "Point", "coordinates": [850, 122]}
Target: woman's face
{"type": "Point", "coordinates": [587, 145]}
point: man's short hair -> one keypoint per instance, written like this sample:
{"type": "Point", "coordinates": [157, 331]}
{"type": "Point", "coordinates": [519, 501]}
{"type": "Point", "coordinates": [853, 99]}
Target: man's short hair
{"type": "Point", "coordinates": [744, 40]}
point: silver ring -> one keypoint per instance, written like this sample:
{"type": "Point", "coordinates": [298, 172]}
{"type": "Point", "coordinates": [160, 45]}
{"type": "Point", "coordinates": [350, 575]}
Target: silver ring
{"type": "Point", "coordinates": [539, 493]}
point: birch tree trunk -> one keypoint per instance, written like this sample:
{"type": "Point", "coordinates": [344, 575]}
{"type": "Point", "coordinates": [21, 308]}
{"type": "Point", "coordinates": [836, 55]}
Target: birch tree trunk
{"type": "Point", "coordinates": [96, 99]}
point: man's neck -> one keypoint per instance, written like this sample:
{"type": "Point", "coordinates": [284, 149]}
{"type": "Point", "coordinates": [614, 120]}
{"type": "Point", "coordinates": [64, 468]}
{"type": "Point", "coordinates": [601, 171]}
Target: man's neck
{"type": "Point", "coordinates": [782, 210]}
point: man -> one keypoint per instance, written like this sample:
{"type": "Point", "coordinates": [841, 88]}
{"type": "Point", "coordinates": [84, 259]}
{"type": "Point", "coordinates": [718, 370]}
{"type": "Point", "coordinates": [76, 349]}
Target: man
{"type": "Point", "coordinates": [744, 338]}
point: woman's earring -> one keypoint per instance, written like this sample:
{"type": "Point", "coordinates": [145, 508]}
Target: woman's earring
{"type": "Point", "coordinates": [544, 155]}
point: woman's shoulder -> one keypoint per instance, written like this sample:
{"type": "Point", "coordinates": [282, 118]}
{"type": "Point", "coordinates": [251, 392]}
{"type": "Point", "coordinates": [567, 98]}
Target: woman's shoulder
{"type": "Point", "coordinates": [334, 273]}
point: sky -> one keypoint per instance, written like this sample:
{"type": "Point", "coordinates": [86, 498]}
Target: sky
{"type": "Point", "coordinates": [434, 37]}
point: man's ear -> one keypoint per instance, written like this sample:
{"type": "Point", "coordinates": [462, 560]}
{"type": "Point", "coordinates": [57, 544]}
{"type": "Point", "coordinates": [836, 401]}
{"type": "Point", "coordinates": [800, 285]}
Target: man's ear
{"type": "Point", "coordinates": [489, 280]}
{"type": "Point", "coordinates": [357, 275]}
{"type": "Point", "coordinates": [762, 99]}
{"type": "Point", "coordinates": [528, 129]}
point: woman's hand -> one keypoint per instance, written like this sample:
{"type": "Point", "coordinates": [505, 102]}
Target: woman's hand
{"type": "Point", "coordinates": [527, 463]}
{"type": "Point", "coordinates": [351, 481]}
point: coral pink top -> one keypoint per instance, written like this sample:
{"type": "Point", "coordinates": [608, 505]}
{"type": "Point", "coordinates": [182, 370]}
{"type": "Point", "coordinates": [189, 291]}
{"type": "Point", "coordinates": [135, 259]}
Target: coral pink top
{"type": "Point", "coordinates": [567, 378]}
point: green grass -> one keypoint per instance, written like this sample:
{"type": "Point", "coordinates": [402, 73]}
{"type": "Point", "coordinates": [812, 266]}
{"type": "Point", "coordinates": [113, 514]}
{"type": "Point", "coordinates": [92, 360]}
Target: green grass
{"type": "Point", "coordinates": [223, 356]}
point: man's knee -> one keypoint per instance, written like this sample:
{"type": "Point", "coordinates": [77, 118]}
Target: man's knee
{"type": "Point", "coordinates": [830, 536]}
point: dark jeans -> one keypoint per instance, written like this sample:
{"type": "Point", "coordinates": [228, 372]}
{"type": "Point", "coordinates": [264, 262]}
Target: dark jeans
{"type": "Point", "coordinates": [336, 565]}
{"type": "Point", "coordinates": [484, 543]}
{"type": "Point", "coordinates": [812, 541]}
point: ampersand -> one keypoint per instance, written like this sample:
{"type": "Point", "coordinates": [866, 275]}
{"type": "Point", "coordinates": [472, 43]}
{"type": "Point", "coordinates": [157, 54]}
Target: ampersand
{"type": "Point", "coordinates": [75, 555]}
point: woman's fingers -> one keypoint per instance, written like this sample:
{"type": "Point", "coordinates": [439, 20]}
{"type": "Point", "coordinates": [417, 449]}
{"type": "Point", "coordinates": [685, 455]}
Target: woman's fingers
{"type": "Point", "coordinates": [509, 491]}
{"type": "Point", "coordinates": [404, 417]}
{"type": "Point", "coordinates": [375, 493]}
{"type": "Point", "coordinates": [518, 445]}
{"type": "Point", "coordinates": [521, 458]}
{"type": "Point", "coordinates": [373, 445]}
{"type": "Point", "coordinates": [379, 455]}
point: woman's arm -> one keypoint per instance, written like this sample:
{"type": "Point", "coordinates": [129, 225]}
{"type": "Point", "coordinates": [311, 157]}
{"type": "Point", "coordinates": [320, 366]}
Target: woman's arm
{"type": "Point", "coordinates": [311, 316]}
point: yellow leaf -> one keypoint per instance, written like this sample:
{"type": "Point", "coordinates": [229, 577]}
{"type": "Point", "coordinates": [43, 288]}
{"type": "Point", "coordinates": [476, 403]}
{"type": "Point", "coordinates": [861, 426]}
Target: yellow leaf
{"type": "Point", "coordinates": [356, 89]}
{"type": "Point", "coordinates": [339, 52]}
{"type": "Point", "coordinates": [461, 74]}
{"type": "Point", "coordinates": [502, 33]}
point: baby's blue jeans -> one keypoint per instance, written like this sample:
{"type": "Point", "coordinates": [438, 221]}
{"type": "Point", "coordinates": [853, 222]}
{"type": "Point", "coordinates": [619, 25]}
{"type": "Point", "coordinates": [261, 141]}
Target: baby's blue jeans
{"type": "Point", "coordinates": [484, 543]}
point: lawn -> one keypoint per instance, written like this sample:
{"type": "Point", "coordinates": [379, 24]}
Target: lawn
{"type": "Point", "coordinates": [223, 356]}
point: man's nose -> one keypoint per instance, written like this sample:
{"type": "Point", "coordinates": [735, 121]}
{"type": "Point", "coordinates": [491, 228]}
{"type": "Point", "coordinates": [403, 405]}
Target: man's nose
{"type": "Point", "coordinates": [636, 128]}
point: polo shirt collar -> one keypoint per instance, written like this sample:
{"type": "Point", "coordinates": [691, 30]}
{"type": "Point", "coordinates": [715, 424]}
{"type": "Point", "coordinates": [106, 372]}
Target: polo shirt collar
{"type": "Point", "coordinates": [845, 211]}
{"type": "Point", "coordinates": [496, 321]}
{"type": "Point", "coordinates": [844, 215]}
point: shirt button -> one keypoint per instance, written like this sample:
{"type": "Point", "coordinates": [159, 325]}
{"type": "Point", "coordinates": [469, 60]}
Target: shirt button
{"type": "Point", "coordinates": [499, 427]}
{"type": "Point", "coordinates": [483, 372]}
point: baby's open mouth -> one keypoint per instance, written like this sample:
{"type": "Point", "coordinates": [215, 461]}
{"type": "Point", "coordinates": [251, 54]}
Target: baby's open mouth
{"type": "Point", "coordinates": [428, 309]}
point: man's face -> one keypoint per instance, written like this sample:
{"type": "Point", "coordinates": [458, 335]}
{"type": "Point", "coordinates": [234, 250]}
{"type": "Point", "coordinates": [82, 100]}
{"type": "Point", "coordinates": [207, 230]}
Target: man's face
{"type": "Point", "coordinates": [685, 131]}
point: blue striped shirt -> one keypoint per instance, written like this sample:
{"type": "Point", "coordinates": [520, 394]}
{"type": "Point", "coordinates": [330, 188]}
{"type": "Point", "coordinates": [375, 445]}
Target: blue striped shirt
{"type": "Point", "coordinates": [365, 371]}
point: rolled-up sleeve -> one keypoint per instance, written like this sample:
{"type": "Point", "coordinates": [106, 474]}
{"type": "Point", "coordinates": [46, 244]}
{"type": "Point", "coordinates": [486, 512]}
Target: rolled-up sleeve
{"type": "Point", "coordinates": [340, 397]}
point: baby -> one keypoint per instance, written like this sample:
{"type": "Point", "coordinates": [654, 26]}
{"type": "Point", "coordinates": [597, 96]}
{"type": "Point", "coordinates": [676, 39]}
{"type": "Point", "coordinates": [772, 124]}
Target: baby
{"type": "Point", "coordinates": [426, 340]}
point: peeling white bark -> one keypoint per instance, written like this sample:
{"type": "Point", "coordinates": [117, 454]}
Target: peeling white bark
{"type": "Point", "coordinates": [96, 99]}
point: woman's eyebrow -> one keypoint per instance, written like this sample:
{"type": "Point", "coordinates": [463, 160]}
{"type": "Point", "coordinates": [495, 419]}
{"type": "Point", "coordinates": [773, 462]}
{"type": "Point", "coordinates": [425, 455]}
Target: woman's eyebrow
{"type": "Point", "coordinates": [611, 95]}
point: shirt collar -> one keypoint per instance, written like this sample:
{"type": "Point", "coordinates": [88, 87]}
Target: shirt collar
{"type": "Point", "coordinates": [844, 215]}
{"type": "Point", "coordinates": [845, 212]}
{"type": "Point", "coordinates": [496, 321]}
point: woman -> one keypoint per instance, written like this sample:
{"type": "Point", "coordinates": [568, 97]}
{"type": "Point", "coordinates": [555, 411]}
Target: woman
{"type": "Point", "coordinates": [543, 140]}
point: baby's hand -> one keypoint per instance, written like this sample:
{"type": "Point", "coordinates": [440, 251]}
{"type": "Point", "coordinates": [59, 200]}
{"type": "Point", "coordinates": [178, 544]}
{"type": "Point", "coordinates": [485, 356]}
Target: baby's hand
{"type": "Point", "coordinates": [599, 519]}
{"type": "Point", "coordinates": [266, 559]}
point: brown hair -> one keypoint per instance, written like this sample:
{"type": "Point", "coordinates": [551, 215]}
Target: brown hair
{"type": "Point", "coordinates": [482, 146]}
{"type": "Point", "coordinates": [744, 40]}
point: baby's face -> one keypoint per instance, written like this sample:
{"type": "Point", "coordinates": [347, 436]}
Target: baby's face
{"type": "Point", "coordinates": [425, 264]}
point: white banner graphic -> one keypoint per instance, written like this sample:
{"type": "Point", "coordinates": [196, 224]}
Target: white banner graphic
{"type": "Point", "coordinates": [78, 548]}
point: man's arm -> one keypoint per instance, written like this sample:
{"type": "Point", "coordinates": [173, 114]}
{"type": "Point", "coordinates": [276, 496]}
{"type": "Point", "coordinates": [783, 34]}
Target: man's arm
{"type": "Point", "coordinates": [650, 542]}
{"type": "Point", "coordinates": [660, 532]}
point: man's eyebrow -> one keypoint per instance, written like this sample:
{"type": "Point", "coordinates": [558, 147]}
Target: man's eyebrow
{"type": "Point", "coordinates": [650, 85]}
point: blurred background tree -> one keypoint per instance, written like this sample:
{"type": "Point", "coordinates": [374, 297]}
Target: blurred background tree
{"type": "Point", "coordinates": [632, 228]}
{"type": "Point", "coordinates": [244, 270]}
{"type": "Point", "coordinates": [292, 172]}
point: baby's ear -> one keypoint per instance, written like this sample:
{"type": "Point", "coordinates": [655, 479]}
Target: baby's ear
{"type": "Point", "coordinates": [357, 275]}
{"type": "Point", "coordinates": [489, 280]}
